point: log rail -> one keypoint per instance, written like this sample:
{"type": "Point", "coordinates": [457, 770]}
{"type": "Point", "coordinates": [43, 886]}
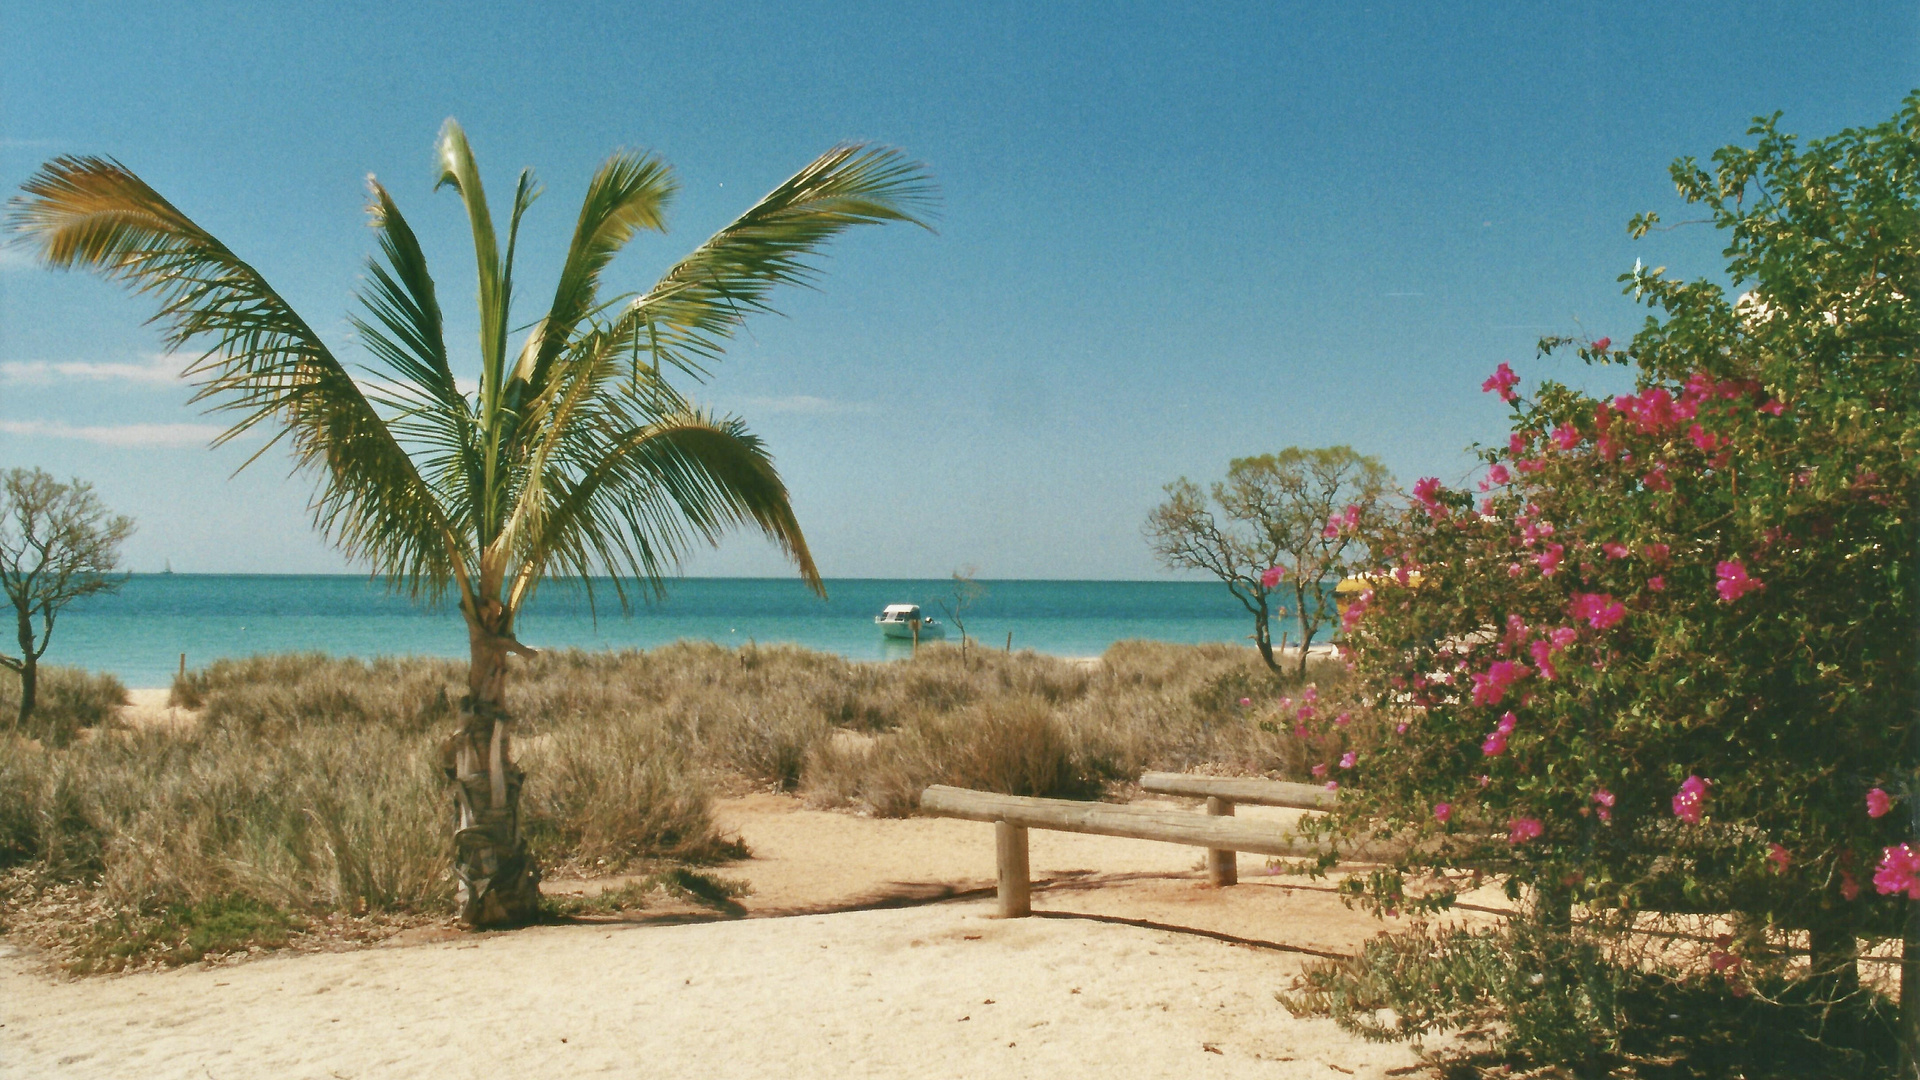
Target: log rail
{"type": "Point", "coordinates": [1217, 831]}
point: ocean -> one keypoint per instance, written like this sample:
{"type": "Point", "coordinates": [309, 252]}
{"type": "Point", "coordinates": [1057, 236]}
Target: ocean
{"type": "Point", "coordinates": [139, 633]}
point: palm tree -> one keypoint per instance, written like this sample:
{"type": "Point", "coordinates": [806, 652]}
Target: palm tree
{"type": "Point", "coordinates": [574, 456]}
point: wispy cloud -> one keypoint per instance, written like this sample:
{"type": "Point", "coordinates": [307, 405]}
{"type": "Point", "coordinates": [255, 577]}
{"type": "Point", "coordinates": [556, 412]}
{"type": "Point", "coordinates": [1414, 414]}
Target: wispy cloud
{"type": "Point", "coordinates": [113, 434]}
{"type": "Point", "coordinates": [804, 403]}
{"type": "Point", "coordinates": [154, 368]}
{"type": "Point", "coordinates": [13, 258]}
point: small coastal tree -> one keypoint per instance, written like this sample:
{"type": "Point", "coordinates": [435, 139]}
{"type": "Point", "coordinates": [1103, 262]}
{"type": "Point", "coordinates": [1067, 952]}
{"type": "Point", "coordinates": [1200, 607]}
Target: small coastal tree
{"type": "Point", "coordinates": [1666, 662]}
{"type": "Point", "coordinates": [58, 543]}
{"type": "Point", "coordinates": [1298, 514]}
{"type": "Point", "coordinates": [575, 456]}
{"type": "Point", "coordinates": [960, 598]}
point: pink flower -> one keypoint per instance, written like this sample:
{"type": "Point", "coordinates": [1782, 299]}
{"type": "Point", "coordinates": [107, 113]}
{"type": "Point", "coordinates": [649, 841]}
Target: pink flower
{"type": "Point", "coordinates": [1514, 570]}
{"type": "Point", "coordinates": [1485, 779]}
{"type": "Point", "coordinates": [1521, 830]}
{"type": "Point", "coordinates": [1849, 888]}
{"type": "Point", "coordinates": [1343, 719]}
{"type": "Point", "coordinates": [1489, 687]}
{"type": "Point", "coordinates": [1657, 583]}
{"type": "Point", "coordinates": [1656, 478]}
{"type": "Point", "coordinates": [1566, 438]}
{"type": "Point", "coordinates": [1426, 491]}
{"type": "Point", "coordinates": [1778, 856]}
{"type": "Point", "coordinates": [1657, 553]}
{"type": "Point", "coordinates": [1319, 770]}
{"type": "Point", "coordinates": [1442, 811]}
{"type": "Point", "coordinates": [1615, 551]}
{"type": "Point", "coordinates": [1878, 803]}
{"type": "Point", "coordinates": [1271, 576]}
{"type": "Point", "coordinates": [1245, 701]}
{"type": "Point", "coordinates": [1772, 408]}
{"type": "Point", "coordinates": [1501, 382]}
{"type": "Point", "coordinates": [1517, 444]}
{"type": "Point", "coordinates": [1734, 582]}
{"type": "Point", "coordinates": [1506, 724]}
{"type": "Point", "coordinates": [1311, 693]}
{"type": "Point", "coordinates": [1543, 659]}
{"type": "Point", "coordinates": [1350, 517]}
{"type": "Point", "coordinates": [1601, 610]}
{"type": "Point", "coordinates": [1498, 474]}
{"type": "Point", "coordinates": [1898, 872]}
{"type": "Point", "coordinates": [1495, 745]}
{"type": "Point", "coordinates": [1602, 344]}
{"type": "Point", "coordinates": [1549, 559]}
{"type": "Point", "coordinates": [1299, 731]}
{"type": "Point", "coordinates": [1356, 610]}
{"type": "Point", "coordinates": [1333, 785]}
{"type": "Point", "coordinates": [1686, 801]}
{"type": "Point", "coordinates": [1605, 800]}
{"type": "Point", "coordinates": [1530, 465]}
{"type": "Point", "coordinates": [1349, 759]}
{"type": "Point", "coordinates": [1707, 441]}
{"type": "Point", "coordinates": [1400, 728]}
{"type": "Point", "coordinates": [1563, 636]}
{"type": "Point", "coordinates": [1332, 530]}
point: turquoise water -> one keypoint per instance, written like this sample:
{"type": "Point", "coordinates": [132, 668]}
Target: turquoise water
{"type": "Point", "coordinates": [139, 633]}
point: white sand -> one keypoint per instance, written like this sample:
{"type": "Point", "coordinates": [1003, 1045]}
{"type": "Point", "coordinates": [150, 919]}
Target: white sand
{"type": "Point", "coordinates": [945, 991]}
{"type": "Point", "coordinates": [900, 992]}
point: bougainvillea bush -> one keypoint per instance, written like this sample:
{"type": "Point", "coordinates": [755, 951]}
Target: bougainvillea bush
{"type": "Point", "coordinates": [1661, 657]}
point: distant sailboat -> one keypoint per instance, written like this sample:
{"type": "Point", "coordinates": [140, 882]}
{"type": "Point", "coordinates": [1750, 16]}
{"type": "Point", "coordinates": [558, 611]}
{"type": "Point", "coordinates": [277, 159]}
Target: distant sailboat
{"type": "Point", "coordinates": [169, 568]}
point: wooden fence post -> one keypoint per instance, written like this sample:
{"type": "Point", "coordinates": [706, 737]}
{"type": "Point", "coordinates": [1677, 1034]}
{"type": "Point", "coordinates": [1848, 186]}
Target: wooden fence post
{"type": "Point", "coordinates": [1223, 867]}
{"type": "Point", "coordinates": [1010, 849]}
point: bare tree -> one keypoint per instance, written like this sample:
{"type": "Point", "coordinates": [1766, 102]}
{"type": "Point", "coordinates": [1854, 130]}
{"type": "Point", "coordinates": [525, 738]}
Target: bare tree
{"type": "Point", "coordinates": [965, 591]}
{"type": "Point", "coordinates": [1296, 514]}
{"type": "Point", "coordinates": [58, 543]}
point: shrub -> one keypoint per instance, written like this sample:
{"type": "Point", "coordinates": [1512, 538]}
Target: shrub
{"type": "Point", "coordinates": [67, 701]}
{"type": "Point", "coordinates": [1669, 657]}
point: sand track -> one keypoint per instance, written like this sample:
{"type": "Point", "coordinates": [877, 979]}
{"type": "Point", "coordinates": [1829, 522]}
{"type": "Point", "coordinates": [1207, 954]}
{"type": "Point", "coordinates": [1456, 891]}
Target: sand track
{"type": "Point", "coordinates": [1134, 969]}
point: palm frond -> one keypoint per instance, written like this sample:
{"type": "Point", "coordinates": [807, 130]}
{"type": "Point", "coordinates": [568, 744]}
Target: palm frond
{"type": "Point", "coordinates": [262, 360]}
{"type": "Point", "coordinates": [636, 500]}
{"type": "Point", "coordinates": [459, 170]}
{"type": "Point", "coordinates": [630, 192]}
{"type": "Point", "coordinates": [686, 317]}
{"type": "Point", "coordinates": [425, 405]}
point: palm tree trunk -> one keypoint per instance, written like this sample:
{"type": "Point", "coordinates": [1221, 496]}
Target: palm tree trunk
{"type": "Point", "coordinates": [499, 883]}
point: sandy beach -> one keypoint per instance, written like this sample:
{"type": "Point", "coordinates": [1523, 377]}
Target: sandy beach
{"type": "Point", "coordinates": [867, 948]}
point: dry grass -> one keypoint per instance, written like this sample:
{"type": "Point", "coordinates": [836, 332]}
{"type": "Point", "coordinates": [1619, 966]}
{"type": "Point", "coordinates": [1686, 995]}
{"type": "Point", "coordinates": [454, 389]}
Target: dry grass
{"type": "Point", "coordinates": [310, 787]}
{"type": "Point", "coordinates": [67, 702]}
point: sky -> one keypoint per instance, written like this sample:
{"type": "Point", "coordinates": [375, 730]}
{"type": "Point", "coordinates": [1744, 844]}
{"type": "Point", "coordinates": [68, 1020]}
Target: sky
{"type": "Point", "coordinates": [1169, 235]}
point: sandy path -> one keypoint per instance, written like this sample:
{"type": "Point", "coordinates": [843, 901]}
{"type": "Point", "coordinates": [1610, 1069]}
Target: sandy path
{"type": "Point", "coordinates": [1134, 969]}
{"type": "Point", "coordinates": [943, 991]}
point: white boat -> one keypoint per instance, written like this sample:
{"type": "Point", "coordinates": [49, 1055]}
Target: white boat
{"type": "Point", "coordinates": [905, 621]}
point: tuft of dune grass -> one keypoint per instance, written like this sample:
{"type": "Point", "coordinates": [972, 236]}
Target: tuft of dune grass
{"type": "Point", "coordinates": [66, 701]}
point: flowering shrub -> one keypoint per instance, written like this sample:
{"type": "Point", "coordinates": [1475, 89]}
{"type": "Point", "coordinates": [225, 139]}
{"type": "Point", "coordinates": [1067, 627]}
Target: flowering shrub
{"type": "Point", "coordinates": [1667, 660]}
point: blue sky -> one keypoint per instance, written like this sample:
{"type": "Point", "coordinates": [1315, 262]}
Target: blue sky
{"type": "Point", "coordinates": [1169, 236]}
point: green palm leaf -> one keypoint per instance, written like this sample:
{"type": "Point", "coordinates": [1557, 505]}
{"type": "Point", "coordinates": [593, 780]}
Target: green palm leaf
{"type": "Point", "coordinates": [262, 360]}
{"type": "Point", "coordinates": [685, 319]}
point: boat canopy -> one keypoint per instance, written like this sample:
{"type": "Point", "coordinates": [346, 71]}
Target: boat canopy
{"type": "Point", "coordinates": [904, 611]}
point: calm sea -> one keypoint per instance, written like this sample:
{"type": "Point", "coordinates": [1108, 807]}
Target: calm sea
{"type": "Point", "coordinates": [139, 633]}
